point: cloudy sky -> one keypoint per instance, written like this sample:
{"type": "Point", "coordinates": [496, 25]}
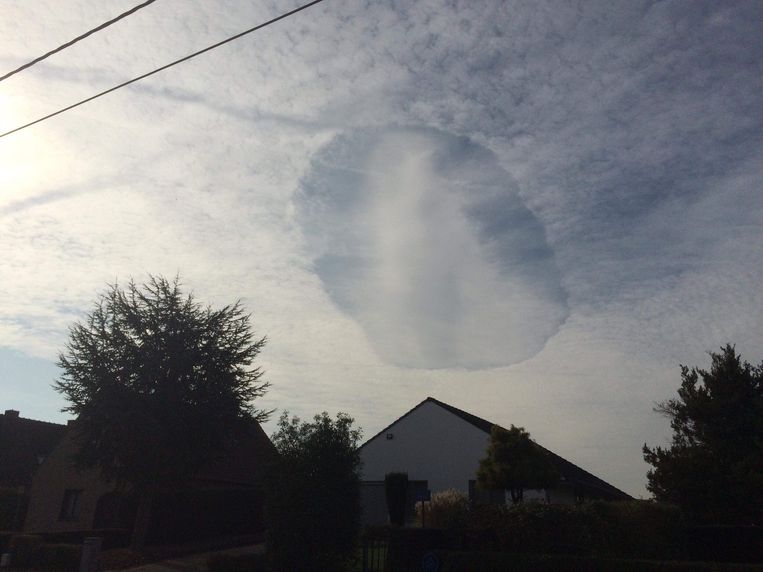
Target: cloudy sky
{"type": "Point", "coordinates": [534, 211]}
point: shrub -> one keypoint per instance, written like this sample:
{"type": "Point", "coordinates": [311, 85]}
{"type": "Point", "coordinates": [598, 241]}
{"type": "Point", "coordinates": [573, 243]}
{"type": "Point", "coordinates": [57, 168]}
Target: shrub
{"type": "Point", "coordinates": [407, 546]}
{"type": "Point", "coordinates": [501, 561]}
{"type": "Point", "coordinates": [119, 558]}
{"type": "Point", "coordinates": [448, 510]}
{"type": "Point", "coordinates": [29, 551]}
{"type": "Point", "coordinates": [396, 491]}
{"type": "Point", "coordinates": [313, 503]}
{"type": "Point", "coordinates": [110, 537]}
{"type": "Point", "coordinates": [238, 563]}
{"type": "Point", "coordinates": [530, 527]}
{"type": "Point", "coordinates": [190, 515]}
{"type": "Point", "coordinates": [58, 557]}
{"type": "Point", "coordinates": [376, 532]}
{"type": "Point", "coordinates": [725, 543]}
{"type": "Point", "coordinates": [23, 549]}
{"type": "Point", "coordinates": [637, 529]}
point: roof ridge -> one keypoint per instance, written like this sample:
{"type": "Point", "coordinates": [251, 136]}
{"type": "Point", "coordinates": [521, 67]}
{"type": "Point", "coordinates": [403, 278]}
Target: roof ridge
{"type": "Point", "coordinates": [32, 420]}
{"type": "Point", "coordinates": [486, 426]}
{"type": "Point", "coordinates": [395, 421]}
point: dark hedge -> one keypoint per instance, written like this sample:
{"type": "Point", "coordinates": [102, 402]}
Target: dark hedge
{"type": "Point", "coordinates": [451, 561]}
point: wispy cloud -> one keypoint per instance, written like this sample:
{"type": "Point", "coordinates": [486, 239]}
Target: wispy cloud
{"type": "Point", "coordinates": [423, 239]}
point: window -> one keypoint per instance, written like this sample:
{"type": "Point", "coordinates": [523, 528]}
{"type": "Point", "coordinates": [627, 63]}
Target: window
{"type": "Point", "coordinates": [70, 504]}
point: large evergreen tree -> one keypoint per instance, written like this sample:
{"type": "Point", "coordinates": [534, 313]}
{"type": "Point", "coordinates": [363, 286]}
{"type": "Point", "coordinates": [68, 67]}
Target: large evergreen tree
{"type": "Point", "coordinates": [713, 468]}
{"type": "Point", "coordinates": [160, 386]}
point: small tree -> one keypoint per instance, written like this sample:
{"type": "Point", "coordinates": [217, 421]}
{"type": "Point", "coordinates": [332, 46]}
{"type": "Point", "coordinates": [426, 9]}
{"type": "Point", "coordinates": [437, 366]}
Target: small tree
{"type": "Point", "coordinates": [713, 468]}
{"type": "Point", "coordinates": [159, 385]}
{"type": "Point", "coordinates": [313, 504]}
{"type": "Point", "coordinates": [516, 463]}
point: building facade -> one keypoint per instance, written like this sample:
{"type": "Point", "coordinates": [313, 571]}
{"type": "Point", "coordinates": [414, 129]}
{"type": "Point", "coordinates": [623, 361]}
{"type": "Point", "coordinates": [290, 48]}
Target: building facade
{"type": "Point", "coordinates": [439, 446]}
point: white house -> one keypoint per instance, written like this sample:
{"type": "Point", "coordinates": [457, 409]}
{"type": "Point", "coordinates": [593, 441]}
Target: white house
{"type": "Point", "coordinates": [440, 447]}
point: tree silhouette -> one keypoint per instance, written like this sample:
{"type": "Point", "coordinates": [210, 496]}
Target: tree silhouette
{"type": "Point", "coordinates": [160, 386]}
{"type": "Point", "coordinates": [713, 468]}
{"type": "Point", "coordinates": [313, 504]}
{"type": "Point", "coordinates": [516, 463]}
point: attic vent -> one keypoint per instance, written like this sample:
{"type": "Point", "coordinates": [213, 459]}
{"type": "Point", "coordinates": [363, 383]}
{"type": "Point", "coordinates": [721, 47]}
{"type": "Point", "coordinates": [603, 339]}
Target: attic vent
{"type": "Point", "coordinates": [390, 436]}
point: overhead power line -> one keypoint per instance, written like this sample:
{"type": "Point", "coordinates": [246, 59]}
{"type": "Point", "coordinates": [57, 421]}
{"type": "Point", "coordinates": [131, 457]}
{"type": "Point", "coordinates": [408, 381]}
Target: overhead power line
{"type": "Point", "coordinates": [77, 39]}
{"type": "Point", "coordinates": [164, 67]}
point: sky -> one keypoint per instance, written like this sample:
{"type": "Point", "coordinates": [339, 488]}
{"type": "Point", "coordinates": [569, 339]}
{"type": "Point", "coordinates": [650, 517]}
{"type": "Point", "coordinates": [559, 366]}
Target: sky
{"type": "Point", "coordinates": [533, 211]}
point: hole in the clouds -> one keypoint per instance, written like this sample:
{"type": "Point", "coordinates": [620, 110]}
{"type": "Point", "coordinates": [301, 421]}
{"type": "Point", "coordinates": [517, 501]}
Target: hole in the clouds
{"type": "Point", "coordinates": [421, 237]}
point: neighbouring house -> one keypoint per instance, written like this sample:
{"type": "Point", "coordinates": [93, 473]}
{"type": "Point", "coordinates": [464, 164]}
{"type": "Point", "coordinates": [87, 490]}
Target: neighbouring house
{"type": "Point", "coordinates": [224, 498]}
{"type": "Point", "coordinates": [440, 447]}
{"type": "Point", "coordinates": [24, 446]}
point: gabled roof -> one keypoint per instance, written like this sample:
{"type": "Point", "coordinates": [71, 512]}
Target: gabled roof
{"type": "Point", "coordinates": [570, 472]}
{"type": "Point", "coordinates": [24, 444]}
{"type": "Point", "coordinates": [246, 462]}
{"type": "Point", "coordinates": [242, 462]}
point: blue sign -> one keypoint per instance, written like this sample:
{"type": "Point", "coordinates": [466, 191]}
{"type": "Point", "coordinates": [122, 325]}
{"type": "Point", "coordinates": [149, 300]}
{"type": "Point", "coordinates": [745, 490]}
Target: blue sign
{"type": "Point", "coordinates": [422, 496]}
{"type": "Point", "coordinates": [430, 562]}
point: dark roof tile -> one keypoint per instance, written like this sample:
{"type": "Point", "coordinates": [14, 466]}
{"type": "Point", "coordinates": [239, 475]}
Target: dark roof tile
{"type": "Point", "coordinates": [24, 443]}
{"type": "Point", "coordinates": [571, 473]}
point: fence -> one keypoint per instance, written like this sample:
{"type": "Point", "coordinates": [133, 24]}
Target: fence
{"type": "Point", "coordinates": [375, 555]}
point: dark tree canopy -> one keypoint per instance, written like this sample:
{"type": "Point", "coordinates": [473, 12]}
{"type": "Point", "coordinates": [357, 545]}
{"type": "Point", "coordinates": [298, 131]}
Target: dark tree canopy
{"type": "Point", "coordinates": [158, 382]}
{"type": "Point", "coordinates": [313, 504]}
{"type": "Point", "coordinates": [516, 463]}
{"type": "Point", "coordinates": [713, 468]}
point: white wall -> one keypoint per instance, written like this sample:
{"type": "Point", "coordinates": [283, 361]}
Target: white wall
{"type": "Point", "coordinates": [430, 444]}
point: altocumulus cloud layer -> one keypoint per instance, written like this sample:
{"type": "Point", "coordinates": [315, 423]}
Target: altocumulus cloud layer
{"type": "Point", "coordinates": [532, 210]}
{"type": "Point", "coordinates": [422, 238]}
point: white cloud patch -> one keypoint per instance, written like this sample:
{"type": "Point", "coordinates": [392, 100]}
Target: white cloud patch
{"type": "Point", "coordinates": [422, 238]}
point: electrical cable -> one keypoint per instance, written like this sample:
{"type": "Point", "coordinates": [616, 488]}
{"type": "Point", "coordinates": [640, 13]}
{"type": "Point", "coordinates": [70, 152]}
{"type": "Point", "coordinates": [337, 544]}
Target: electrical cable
{"type": "Point", "coordinates": [77, 39]}
{"type": "Point", "coordinates": [164, 67]}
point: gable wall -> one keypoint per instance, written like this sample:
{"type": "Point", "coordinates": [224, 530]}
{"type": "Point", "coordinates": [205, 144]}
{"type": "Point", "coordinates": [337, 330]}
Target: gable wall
{"type": "Point", "coordinates": [55, 475]}
{"type": "Point", "coordinates": [430, 444]}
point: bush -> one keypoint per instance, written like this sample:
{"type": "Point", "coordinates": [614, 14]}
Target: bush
{"type": "Point", "coordinates": [637, 529]}
{"type": "Point", "coordinates": [407, 546]}
{"type": "Point", "coordinates": [313, 502]}
{"type": "Point", "coordinates": [448, 510]}
{"type": "Point", "coordinates": [377, 532]}
{"type": "Point", "coordinates": [530, 527]}
{"type": "Point", "coordinates": [23, 548]}
{"type": "Point", "coordinates": [725, 543]}
{"type": "Point", "coordinates": [110, 537]}
{"type": "Point", "coordinates": [239, 563]}
{"type": "Point", "coordinates": [500, 562]}
{"type": "Point", "coordinates": [5, 541]}
{"type": "Point", "coordinates": [119, 558]}
{"type": "Point", "coordinates": [29, 551]}
{"type": "Point", "coordinates": [59, 557]}
{"type": "Point", "coordinates": [192, 515]}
